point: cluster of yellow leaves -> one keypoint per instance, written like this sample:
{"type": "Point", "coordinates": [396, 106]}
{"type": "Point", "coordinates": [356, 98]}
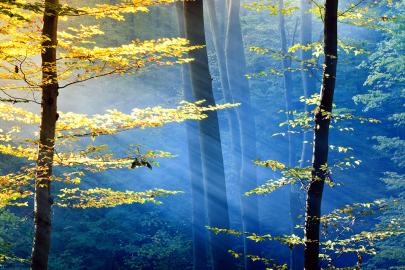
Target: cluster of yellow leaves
{"type": "Point", "coordinates": [102, 197]}
{"type": "Point", "coordinates": [269, 6]}
{"type": "Point", "coordinates": [364, 17]}
{"type": "Point", "coordinates": [94, 162]}
{"type": "Point", "coordinates": [340, 119]}
{"type": "Point", "coordinates": [317, 48]}
{"type": "Point", "coordinates": [79, 125]}
{"type": "Point", "coordinates": [306, 65]}
{"type": "Point", "coordinates": [118, 10]}
{"type": "Point", "coordinates": [19, 10]}
{"type": "Point", "coordinates": [78, 62]}
{"type": "Point", "coordinates": [355, 210]}
{"type": "Point", "coordinates": [16, 188]}
{"type": "Point", "coordinates": [362, 242]}
{"type": "Point", "coordinates": [22, 9]}
{"type": "Point", "coordinates": [358, 14]}
{"type": "Point", "coordinates": [270, 186]}
{"type": "Point", "coordinates": [79, 59]}
{"type": "Point", "coordinates": [13, 189]}
{"type": "Point", "coordinates": [255, 258]}
{"type": "Point", "coordinates": [273, 164]}
{"type": "Point", "coordinates": [11, 258]}
{"type": "Point", "coordinates": [340, 148]}
{"type": "Point", "coordinates": [19, 151]}
{"type": "Point", "coordinates": [290, 240]}
{"type": "Point", "coordinates": [13, 113]}
{"type": "Point", "coordinates": [7, 136]}
{"type": "Point", "coordinates": [290, 175]}
{"type": "Point", "coordinates": [93, 158]}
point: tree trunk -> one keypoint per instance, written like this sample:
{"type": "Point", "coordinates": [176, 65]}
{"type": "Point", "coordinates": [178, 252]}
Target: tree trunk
{"type": "Point", "coordinates": [221, 8]}
{"type": "Point", "coordinates": [288, 87]}
{"type": "Point", "coordinates": [199, 232]}
{"type": "Point", "coordinates": [321, 137]}
{"type": "Point", "coordinates": [239, 86]}
{"type": "Point", "coordinates": [308, 79]}
{"type": "Point", "coordinates": [308, 86]}
{"type": "Point", "coordinates": [49, 116]}
{"type": "Point", "coordinates": [295, 203]}
{"type": "Point", "coordinates": [234, 127]}
{"type": "Point", "coordinates": [211, 150]}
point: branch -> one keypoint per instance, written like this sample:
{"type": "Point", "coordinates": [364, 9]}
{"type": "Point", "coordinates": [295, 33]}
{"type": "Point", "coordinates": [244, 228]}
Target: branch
{"type": "Point", "coordinates": [16, 99]}
{"type": "Point", "coordinates": [351, 8]}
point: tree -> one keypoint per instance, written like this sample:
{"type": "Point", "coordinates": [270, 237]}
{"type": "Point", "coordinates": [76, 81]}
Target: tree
{"type": "Point", "coordinates": [288, 91]}
{"type": "Point", "coordinates": [308, 79]}
{"type": "Point", "coordinates": [196, 170]}
{"type": "Point", "coordinates": [211, 150]}
{"type": "Point", "coordinates": [239, 86]}
{"type": "Point", "coordinates": [46, 150]}
{"type": "Point", "coordinates": [218, 38]}
{"type": "Point", "coordinates": [308, 87]}
{"type": "Point", "coordinates": [321, 138]}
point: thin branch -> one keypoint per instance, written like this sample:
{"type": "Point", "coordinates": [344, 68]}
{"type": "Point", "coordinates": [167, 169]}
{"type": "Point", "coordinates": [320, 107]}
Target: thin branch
{"type": "Point", "coordinates": [15, 99]}
{"type": "Point", "coordinates": [320, 8]}
{"type": "Point", "coordinates": [351, 8]}
{"type": "Point", "coordinates": [89, 78]}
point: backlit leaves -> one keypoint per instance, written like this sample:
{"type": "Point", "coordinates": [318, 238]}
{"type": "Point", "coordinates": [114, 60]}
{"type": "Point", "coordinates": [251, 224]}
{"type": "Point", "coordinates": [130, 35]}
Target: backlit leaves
{"type": "Point", "coordinates": [101, 197]}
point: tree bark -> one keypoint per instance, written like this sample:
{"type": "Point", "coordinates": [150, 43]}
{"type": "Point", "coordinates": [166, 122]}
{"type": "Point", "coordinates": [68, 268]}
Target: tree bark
{"type": "Point", "coordinates": [321, 139]}
{"type": "Point", "coordinates": [239, 86]}
{"type": "Point", "coordinates": [211, 150]}
{"type": "Point", "coordinates": [43, 199]}
{"type": "Point", "coordinates": [199, 232]}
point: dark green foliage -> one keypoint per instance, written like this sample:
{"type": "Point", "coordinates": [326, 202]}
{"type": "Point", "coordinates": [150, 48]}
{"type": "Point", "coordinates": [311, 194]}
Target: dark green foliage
{"type": "Point", "coordinates": [121, 238]}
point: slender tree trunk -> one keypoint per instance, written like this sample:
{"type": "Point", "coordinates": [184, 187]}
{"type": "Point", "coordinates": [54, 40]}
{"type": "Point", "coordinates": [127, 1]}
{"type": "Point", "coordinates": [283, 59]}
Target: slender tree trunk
{"type": "Point", "coordinates": [49, 116]}
{"type": "Point", "coordinates": [219, 46]}
{"type": "Point", "coordinates": [308, 79]}
{"type": "Point", "coordinates": [321, 139]}
{"type": "Point", "coordinates": [288, 89]}
{"type": "Point", "coordinates": [288, 86]}
{"type": "Point", "coordinates": [199, 232]}
{"type": "Point", "coordinates": [234, 127]}
{"type": "Point", "coordinates": [211, 150]}
{"type": "Point", "coordinates": [239, 86]}
{"type": "Point", "coordinates": [308, 86]}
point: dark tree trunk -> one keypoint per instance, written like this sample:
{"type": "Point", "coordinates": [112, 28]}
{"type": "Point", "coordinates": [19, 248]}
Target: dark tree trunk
{"type": "Point", "coordinates": [239, 86]}
{"type": "Point", "coordinates": [199, 232]}
{"type": "Point", "coordinates": [211, 150]}
{"type": "Point", "coordinates": [321, 139]}
{"type": "Point", "coordinates": [43, 199]}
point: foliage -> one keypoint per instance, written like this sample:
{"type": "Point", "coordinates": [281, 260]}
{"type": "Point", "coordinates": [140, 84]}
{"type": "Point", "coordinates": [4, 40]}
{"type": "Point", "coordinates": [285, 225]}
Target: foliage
{"type": "Point", "coordinates": [272, 8]}
{"type": "Point", "coordinates": [145, 239]}
{"type": "Point", "coordinates": [101, 197]}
